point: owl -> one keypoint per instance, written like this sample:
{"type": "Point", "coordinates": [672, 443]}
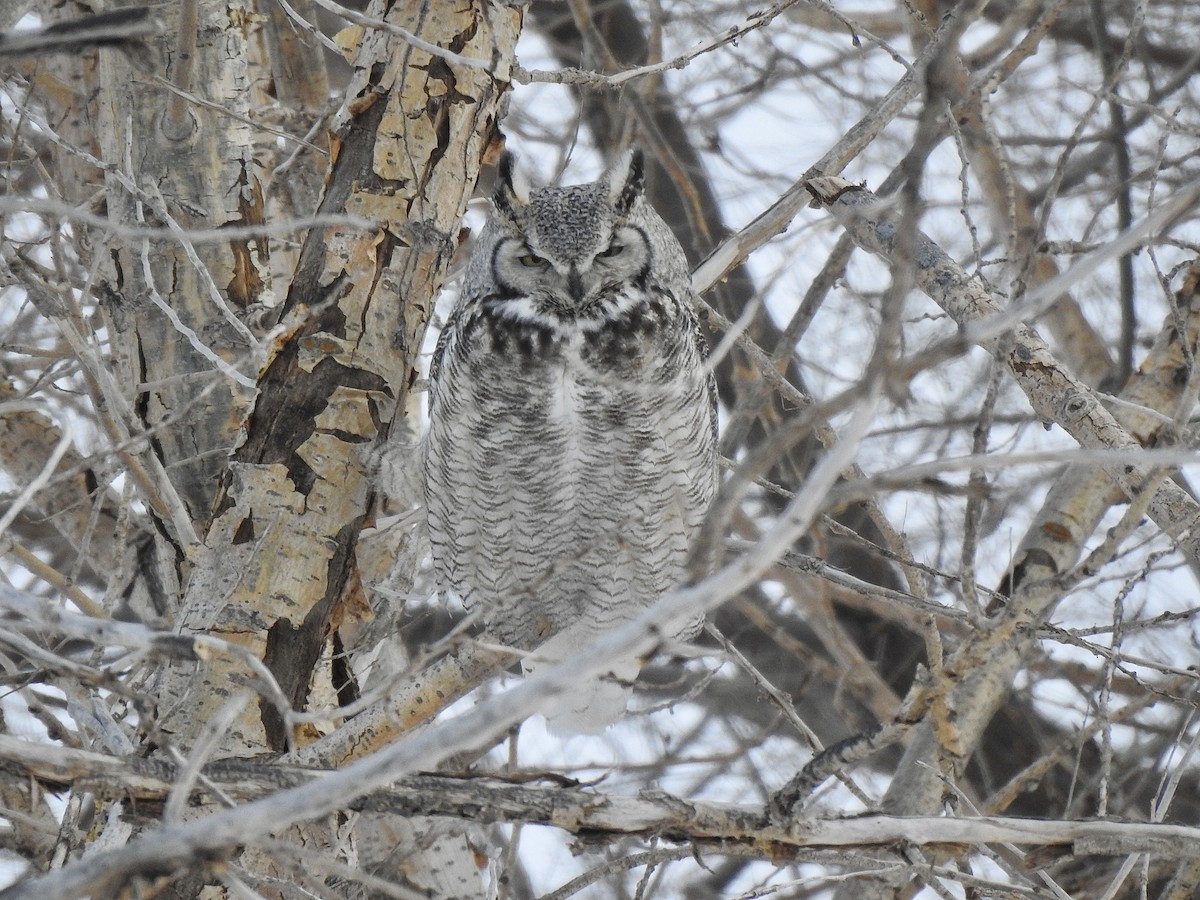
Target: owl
{"type": "Point", "coordinates": [571, 455]}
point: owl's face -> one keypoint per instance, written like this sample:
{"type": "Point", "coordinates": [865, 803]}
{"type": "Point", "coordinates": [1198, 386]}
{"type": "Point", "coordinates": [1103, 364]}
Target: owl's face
{"type": "Point", "coordinates": [570, 254]}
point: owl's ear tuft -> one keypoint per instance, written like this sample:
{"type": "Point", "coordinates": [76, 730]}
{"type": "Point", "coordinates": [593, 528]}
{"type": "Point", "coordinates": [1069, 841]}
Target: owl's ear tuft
{"type": "Point", "coordinates": [512, 192]}
{"type": "Point", "coordinates": [627, 181]}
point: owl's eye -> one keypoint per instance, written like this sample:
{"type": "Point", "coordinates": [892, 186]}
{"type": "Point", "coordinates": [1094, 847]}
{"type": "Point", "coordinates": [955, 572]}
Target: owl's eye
{"type": "Point", "coordinates": [613, 249]}
{"type": "Point", "coordinates": [531, 261]}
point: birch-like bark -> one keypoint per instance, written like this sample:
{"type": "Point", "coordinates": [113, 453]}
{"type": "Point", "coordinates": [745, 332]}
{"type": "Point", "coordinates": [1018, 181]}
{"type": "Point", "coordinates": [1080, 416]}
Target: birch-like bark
{"type": "Point", "coordinates": [189, 141]}
{"type": "Point", "coordinates": [279, 555]}
{"type": "Point", "coordinates": [1082, 494]}
{"type": "Point", "coordinates": [178, 163]}
{"type": "Point", "coordinates": [277, 572]}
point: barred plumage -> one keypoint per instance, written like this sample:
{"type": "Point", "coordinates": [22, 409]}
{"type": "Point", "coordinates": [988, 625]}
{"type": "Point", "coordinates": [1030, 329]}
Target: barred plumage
{"type": "Point", "coordinates": [572, 448]}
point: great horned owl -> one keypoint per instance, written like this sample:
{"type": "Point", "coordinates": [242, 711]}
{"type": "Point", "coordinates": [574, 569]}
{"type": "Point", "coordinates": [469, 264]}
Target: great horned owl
{"type": "Point", "coordinates": [571, 456]}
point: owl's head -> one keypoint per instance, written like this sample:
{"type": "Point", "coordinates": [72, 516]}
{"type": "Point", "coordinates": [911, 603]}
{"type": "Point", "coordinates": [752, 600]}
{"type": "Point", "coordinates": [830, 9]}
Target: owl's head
{"type": "Point", "coordinates": [572, 250]}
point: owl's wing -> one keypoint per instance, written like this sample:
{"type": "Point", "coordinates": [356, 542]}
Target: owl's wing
{"type": "Point", "coordinates": [445, 336]}
{"type": "Point", "coordinates": [688, 304]}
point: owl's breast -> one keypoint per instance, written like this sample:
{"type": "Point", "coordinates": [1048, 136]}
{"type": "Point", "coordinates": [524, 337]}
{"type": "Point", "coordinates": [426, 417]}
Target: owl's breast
{"type": "Point", "coordinates": [569, 465]}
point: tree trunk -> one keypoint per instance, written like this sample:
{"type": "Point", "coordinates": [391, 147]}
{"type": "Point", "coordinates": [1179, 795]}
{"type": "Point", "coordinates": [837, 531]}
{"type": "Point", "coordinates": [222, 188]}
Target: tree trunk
{"type": "Point", "coordinates": [261, 537]}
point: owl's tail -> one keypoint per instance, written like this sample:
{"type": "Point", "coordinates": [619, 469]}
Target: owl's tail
{"type": "Point", "coordinates": [592, 706]}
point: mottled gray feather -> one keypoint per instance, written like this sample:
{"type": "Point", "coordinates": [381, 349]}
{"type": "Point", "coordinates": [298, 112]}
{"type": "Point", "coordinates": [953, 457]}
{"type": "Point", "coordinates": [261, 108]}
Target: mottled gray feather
{"type": "Point", "coordinates": [572, 448]}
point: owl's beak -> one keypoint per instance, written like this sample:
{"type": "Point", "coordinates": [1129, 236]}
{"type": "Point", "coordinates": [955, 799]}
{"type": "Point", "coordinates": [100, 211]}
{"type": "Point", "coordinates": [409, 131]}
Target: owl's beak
{"type": "Point", "coordinates": [575, 284]}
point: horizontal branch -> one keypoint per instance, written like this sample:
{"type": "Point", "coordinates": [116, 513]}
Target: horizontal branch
{"type": "Point", "coordinates": [484, 799]}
